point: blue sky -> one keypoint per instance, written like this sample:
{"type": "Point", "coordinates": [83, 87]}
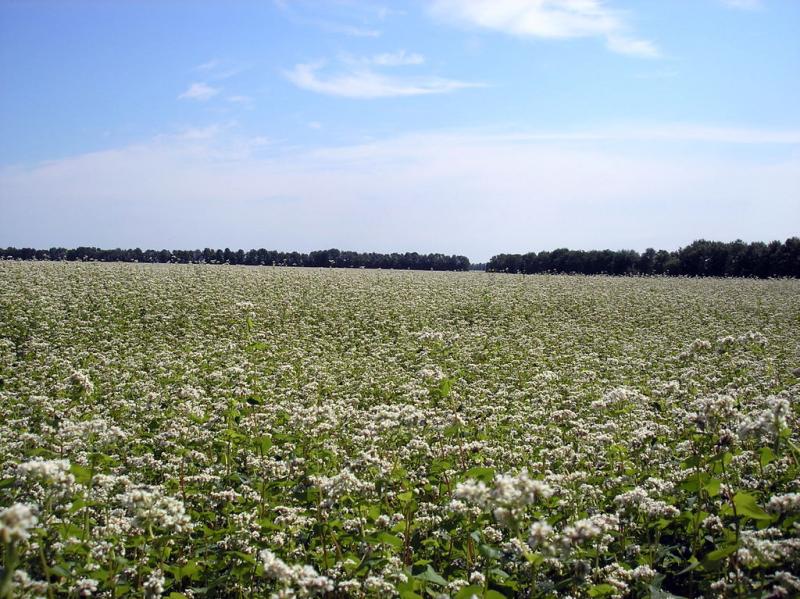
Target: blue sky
{"type": "Point", "coordinates": [465, 126]}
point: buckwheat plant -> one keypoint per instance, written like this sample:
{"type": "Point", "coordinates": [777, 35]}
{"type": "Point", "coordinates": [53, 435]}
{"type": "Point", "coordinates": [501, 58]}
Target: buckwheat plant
{"type": "Point", "coordinates": [193, 431]}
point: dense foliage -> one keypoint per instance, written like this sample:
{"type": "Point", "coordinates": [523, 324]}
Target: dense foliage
{"type": "Point", "coordinates": [699, 259]}
{"type": "Point", "coordinates": [260, 257]}
{"type": "Point", "coordinates": [199, 431]}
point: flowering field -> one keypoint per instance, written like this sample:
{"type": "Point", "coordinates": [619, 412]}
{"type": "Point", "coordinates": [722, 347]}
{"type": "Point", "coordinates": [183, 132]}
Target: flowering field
{"type": "Point", "coordinates": [203, 431]}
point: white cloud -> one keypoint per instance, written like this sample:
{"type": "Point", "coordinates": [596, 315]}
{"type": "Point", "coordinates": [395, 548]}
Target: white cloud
{"type": "Point", "coordinates": [245, 101]}
{"type": "Point", "coordinates": [199, 91]}
{"type": "Point", "coordinates": [399, 58]}
{"type": "Point", "coordinates": [466, 192]}
{"type": "Point", "coordinates": [351, 30]}
{"type": "Point", "coordinates": [198, 133]}
{"type": "Point", "coordinates": [632, 46]}
{"type": "Point", "coordinates": [208, 65]}
{"type": "Point", "coordinates": [683, 132]}
{"type": "Point", "coordinates": [354, 80]}
{"type": "Point", "coordinates": [672, 133]}
{"type": "Point", "coordinates": [307, 13]}
{"type": "Point", "coordinates": [743, 4]}
{"type": "Point", "coordinates": [548, 19]}
{"type": "Point", "coordinates": [219, 70]}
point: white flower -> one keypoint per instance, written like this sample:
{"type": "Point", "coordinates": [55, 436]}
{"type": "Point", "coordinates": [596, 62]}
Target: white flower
{"type": "Point", "coordinates": [305, 578]}
{"type": "Point", "coordinates": [16, 523]}
{"type": "Point", "coordinates": [81, 381]}
{"type": "Point", "coordinates": [784, 504]}
{"type": "Point", "coordinates": [154, 585]}
{"type": "Point", "coordinates": [151, 508]}
{"type": "Point", "coordinates": [85, 587]}
{"type": "Point", "coordinates": [539, 533]}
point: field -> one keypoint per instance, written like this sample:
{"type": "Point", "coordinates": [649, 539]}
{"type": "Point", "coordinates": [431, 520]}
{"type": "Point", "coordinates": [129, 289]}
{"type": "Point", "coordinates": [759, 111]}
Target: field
{"type": "Point", "coordinates": [212, 431]}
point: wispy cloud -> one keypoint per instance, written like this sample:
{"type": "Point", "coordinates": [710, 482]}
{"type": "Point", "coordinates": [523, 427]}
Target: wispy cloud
{"type": "Point", "coordinates": [632, 46]}
{"type": "Point", "coordinates": [743, 4]}
{"type": "Point", "coordinates": [399, 58]}
{"type": "Point", "coordinates": [548, 19]}
{"type": "Point", "coordinates": [206, 132]}
{"type": "Point", "coordinates": [245, 101]}
{"type": "Point", "coordinates": [208, 65]}
{"type": "Point", "coordinates": [307, 13]}
{"type": "Point", "coordinates": [217, 69]}
{"type": "Point", "coordinates": [212, 186]}
{"type": "Point", "coordinates": [670, 132]}
{"type": "Point", "coordinates": [351, 30]}
{"type": "Point", "coordinates": [360, 78]}
{"type": "Point", "coordinates": [199, 91]}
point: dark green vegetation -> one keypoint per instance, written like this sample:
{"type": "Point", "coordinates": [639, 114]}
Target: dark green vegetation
{"type": "Point", "coordinates": [261, 257]}
{"type": "Point", "coordinates": [699, 259]}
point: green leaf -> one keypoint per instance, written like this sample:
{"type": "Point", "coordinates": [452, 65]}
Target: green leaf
{"type": "Point", "coordinates": [392, 540]}
{"type": "Point", "coordinates": [60, 570]}
{"type": "Point", "coordinates": [691, 462]}
{"type": "Point", "coordinates": [399, 473]}
{"type": "Point", "coordinates": [766, 455]}
{"type": "Point", "coordinates": [189, 569]}
{"type": "Point", "coordinates": [468, 592]}
{"type": "Point", "coordinates": [712, 487]}
{"type": "Point", "coordinates": [601, 590]}
{"type": "Point", "coordinates": [264, 443]}
{"type": "Point", "coordinates": [480, 473]}
{"type": "Point", "coordinates": [245, 557]}
{"type": "Point", "coordinates": [693, 564]}
{"type": "Point", "coordinates": [430, 575]}
{"type": "Point", "coordinates": [656, 593]}
{"type": "Point", "coordinates": [405, 496]}
{"type": "Point", "coordinates": [82, 474]}
{"type": "Point", "coordinates": [746, 506]}
{"type": "Point", "coordinates": [722, 552]}
{"type": "Point", "coordinates": [534, 558]}
{"type": "Point", "coordinates": [694, 482]}
{"type": "Point", "coordinates": [499, 574]}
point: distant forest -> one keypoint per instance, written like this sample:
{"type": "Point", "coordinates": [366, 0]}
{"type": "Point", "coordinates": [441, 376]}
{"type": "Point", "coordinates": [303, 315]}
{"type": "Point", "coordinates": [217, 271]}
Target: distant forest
{"type": "Point", "coordinates": [260, 257]}
{"type": "Point", "coordinates": [699, 259]}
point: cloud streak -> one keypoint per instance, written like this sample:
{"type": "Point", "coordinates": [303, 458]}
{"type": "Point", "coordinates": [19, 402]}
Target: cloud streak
{"type": "Point", "coordinates": [399, 58]}
{"type": "Point", "coordinates": [743, 4]}
{"type": "Point", "coordinates": [298, 13]}
{"type": "Point", "coordinates": [359, 78]}
{"type": "Point", "coordinates": [547, 19]}
{"type": "Point", "coordinates": [199, 91]}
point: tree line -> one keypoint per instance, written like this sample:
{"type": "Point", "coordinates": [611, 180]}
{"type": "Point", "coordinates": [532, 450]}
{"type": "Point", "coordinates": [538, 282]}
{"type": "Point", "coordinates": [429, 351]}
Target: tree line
{"type": "Point", "coordinates": [701, 258]}
{"type": "Point", "coordinates": [260, 257]}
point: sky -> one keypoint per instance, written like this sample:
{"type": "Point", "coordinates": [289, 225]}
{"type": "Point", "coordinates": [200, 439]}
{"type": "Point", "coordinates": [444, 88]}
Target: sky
{"type": "Point", "coordinates": [473, 127]}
